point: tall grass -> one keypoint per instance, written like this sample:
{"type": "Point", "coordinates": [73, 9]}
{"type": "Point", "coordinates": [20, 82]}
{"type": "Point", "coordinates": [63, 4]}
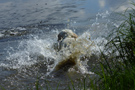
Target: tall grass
{"type": "Point", "coordinates": [2, 88]}
{"type": "Point", "coordinates": [118, 67]}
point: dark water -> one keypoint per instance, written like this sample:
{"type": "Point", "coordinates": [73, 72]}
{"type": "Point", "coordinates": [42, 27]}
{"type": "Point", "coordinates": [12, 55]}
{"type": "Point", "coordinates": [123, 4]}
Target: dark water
{"type": "Point", "coordinates": [28, 29]}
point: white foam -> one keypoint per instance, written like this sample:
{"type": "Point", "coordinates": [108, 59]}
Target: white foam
{"type": "Point", "coordinates": [21, 28]}
{"type": "Point", "coordinates": [28, 51]}
{"type": "Point", "coordinates": [1, 35]}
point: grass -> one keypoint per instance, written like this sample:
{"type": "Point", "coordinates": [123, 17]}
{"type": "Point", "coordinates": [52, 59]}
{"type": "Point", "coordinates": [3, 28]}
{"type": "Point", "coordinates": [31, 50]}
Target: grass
{"type": "Point", "coordinates": [2, 88]}
{"type": "Point", "coordinates": [118, 67]}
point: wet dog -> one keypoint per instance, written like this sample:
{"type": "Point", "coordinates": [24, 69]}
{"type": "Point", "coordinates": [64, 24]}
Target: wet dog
{"type": "Point", "coordinates": [65, 45]}
{"type": "Point", "coordinates": [70, 49]}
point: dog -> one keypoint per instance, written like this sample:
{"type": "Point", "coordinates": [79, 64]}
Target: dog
{"type": "Point", "coordinates": [66, 47]}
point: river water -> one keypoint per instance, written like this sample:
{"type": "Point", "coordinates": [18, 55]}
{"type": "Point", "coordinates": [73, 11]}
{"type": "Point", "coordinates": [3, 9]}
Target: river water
{"type": "Point", "coordinates": [29, 28]}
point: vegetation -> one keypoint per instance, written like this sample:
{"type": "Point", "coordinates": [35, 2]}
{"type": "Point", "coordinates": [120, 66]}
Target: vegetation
{"type": "Point", "coordinates": [118, 67]}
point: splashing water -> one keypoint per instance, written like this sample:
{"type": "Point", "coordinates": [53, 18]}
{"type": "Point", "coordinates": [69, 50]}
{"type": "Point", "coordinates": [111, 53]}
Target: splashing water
{"type": "Point", "coordinates": [28, 52]}
{"type": "Point", "coordinates": [71, 55]}
{"type": "Point", "coordinates": [36, 50]}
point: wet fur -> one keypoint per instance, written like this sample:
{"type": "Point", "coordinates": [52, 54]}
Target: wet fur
{"type": "Point", "coordinates": [66, 38]}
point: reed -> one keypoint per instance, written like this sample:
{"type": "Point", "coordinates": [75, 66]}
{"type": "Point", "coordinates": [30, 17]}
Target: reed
{"type": "Point", "coordinates": [118, 67]}
{"type": "Point", "coordinates": [2, 88]}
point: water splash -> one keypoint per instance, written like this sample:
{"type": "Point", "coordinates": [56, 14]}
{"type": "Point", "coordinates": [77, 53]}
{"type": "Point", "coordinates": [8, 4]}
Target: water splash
{"type": "Point", "coordinates": [70, 57]}
{"type": "Point", "coordinates": [28, 52]}
{"type": "Point", "coordinates": [36, 49]}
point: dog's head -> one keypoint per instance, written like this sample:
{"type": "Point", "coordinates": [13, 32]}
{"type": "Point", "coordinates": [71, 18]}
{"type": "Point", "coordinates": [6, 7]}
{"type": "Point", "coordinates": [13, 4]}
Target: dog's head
{"type": "Point", "coordinates": [66, 33]}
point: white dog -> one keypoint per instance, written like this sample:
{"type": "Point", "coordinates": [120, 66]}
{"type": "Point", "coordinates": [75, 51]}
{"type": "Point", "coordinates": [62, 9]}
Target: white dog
{"type": "Point", "coordinates": [66, 44]}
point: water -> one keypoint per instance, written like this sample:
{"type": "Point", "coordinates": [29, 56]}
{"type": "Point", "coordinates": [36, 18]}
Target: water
{"type": "Point", "coordinates": [29, 28]}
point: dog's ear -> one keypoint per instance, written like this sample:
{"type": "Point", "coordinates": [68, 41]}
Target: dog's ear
{"type": "Point", "coordinates": [59, 38]}
{"type": "Point", "coordinates": [62, 35]}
